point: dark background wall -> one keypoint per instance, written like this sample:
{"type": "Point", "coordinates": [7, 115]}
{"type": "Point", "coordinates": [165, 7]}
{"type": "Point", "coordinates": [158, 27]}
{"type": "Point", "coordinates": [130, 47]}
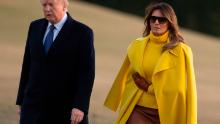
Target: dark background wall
{"type": "Point", "coordinates": [198, 15]}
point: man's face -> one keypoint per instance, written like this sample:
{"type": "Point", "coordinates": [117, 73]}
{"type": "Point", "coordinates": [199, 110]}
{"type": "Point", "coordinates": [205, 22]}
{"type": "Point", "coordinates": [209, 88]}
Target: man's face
{"type": "Point", "coordinates": [53, 10]}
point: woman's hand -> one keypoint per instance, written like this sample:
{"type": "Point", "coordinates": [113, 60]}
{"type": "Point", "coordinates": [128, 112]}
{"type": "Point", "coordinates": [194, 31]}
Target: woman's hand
{"type": "Point", "coordinates": [140, 81]}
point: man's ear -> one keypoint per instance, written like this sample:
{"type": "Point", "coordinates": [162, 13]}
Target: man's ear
{"type": "Point", "coordinates": [65, 8]}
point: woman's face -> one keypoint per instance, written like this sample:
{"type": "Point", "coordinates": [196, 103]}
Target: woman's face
{"type": "Point", "coordinates": [158, 23]}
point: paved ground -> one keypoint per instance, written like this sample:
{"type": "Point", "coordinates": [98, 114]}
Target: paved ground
{"type": "Point", "coordinates": [113, 32]}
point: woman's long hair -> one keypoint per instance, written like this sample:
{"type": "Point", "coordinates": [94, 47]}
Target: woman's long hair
{"type": "Point", "coordinates": [168, 12]}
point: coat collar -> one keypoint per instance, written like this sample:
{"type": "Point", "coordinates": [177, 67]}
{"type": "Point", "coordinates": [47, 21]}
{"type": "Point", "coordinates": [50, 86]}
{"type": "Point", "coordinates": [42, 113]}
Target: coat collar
{"type": "Point", "coordinates": [136, 55]}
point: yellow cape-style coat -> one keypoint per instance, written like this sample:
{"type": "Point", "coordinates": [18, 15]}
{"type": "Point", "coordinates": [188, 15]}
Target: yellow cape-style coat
{"type": "Point", "coordinates": [173, 81]}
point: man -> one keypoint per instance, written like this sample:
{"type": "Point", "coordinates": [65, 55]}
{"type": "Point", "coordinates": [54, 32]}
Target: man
{"type": "Point", "coordinates": [58, 69]}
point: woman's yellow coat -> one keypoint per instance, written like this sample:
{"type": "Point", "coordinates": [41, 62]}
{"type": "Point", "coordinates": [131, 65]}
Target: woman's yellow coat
{"type": "Point", "coordinates": [173, 81]}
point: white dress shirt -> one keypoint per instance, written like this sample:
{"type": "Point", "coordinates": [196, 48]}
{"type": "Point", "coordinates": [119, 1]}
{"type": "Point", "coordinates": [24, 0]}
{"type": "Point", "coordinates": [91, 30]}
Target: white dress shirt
{"type": "Point", "coordinates": [57, 29]}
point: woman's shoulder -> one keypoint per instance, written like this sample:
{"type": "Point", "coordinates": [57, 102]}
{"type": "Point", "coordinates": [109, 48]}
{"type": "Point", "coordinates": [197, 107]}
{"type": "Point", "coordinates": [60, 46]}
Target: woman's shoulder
{"type": "Point", "coordinates": [138, 41]}
{"type": "Point", "coordinates": [185, 48]}
{"type": "Point", "coordinates": [141, 39]}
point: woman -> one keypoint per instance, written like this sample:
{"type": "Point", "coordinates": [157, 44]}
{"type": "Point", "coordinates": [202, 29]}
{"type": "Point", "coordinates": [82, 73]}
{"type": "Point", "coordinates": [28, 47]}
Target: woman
{"type": "Point", "coordinates": [156, 83]}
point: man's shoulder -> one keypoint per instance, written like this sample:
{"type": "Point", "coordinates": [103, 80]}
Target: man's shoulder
{"type": "Point", "coordinates": [37, 24]}
{"type": "Point", "coordinates": [81, 26]}
{"type": "Point", "coordinates": [38, 21]}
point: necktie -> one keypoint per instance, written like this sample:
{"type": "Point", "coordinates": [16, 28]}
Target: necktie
{"type": "Point", "coordinates": [49, 39]}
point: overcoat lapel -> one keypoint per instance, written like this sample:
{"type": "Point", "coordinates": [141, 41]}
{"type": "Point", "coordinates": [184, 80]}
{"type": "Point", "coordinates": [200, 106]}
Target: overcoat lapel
{"type": "Point", "coordinates": [167, 60]}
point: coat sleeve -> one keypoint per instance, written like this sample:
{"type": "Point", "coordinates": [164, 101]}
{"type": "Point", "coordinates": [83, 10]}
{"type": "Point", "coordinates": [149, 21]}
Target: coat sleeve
{"type": "Point", "coordinates": [86, 73]}
{"type": "Point", "coordinates": [191, 95]}
{"type": "Point", "coordinates": [115, 94]}
{"type": "Point", "coordinates": [24, 72]}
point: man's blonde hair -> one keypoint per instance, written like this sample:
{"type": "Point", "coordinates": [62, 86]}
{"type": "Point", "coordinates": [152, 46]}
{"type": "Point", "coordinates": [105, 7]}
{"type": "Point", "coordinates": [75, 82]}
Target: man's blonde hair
{"type": "Point", "coordinates": [66, 2]}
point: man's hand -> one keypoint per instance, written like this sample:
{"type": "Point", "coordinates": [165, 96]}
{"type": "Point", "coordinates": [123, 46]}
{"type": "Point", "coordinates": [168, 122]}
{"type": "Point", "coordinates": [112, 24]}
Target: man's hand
{"type": "Point", "coordinates": [140, 81]}
{"type": "Point", "coordinates": [76, 116]}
